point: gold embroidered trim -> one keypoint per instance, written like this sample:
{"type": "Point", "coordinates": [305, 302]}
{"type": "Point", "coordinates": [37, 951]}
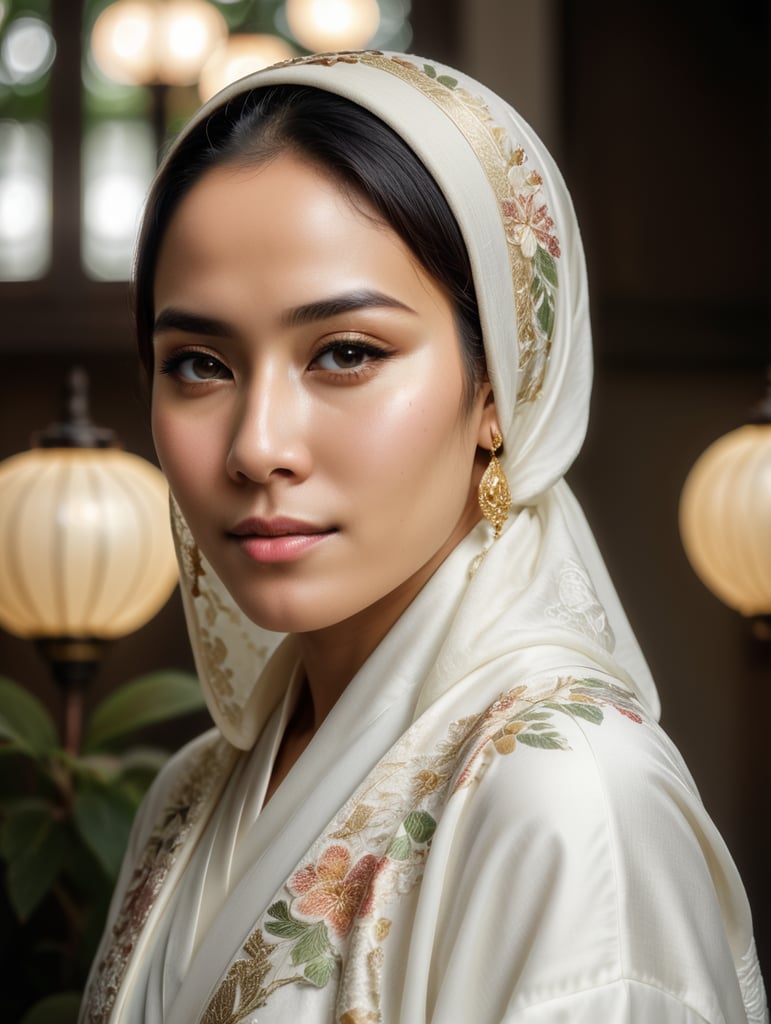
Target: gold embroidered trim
{"type": "Point", "coordinates": [187, 802]}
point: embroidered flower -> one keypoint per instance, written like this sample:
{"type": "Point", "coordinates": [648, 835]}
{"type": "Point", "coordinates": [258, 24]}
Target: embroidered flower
{"type": "Point", "coordinates": [529, 226]}
{"type": "Point", "coordinates": [331, 890]}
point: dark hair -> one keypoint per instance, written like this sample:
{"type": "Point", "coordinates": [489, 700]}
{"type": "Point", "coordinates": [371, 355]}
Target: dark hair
{"type": "Point", "coordinates": [355, 148]}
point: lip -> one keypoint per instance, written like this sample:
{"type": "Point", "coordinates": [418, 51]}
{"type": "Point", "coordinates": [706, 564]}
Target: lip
{"type": "Point", "coordinates": [281, 539]}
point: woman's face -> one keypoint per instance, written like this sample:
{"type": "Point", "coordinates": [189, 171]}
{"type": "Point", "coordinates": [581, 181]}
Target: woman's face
{"type": "Point", "coordinates": [308, 398]}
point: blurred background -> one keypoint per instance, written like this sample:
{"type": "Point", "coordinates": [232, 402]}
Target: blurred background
{"type": "Point", "coordinates": [658, 114]}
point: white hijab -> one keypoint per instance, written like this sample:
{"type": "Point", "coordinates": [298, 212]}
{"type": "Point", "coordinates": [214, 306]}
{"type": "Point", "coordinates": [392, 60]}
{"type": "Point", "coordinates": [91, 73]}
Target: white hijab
{"type": "Point", "coordinates": [543, 586]}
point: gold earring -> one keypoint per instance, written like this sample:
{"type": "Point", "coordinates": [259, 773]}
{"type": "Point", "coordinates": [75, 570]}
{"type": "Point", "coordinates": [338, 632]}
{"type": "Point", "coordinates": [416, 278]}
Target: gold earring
{"type": "Point", "coordinates": [494, 493]}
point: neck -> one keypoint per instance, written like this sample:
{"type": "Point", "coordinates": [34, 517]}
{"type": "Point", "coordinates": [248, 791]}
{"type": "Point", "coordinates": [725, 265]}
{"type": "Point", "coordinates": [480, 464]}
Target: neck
{"type": "Point", "coordinates": [331, 657]}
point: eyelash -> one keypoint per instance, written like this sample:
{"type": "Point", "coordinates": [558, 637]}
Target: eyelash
{"type": "Point", "coordinates": [171, 364]}
{"type": "Point", "coordinates": [373, 354]}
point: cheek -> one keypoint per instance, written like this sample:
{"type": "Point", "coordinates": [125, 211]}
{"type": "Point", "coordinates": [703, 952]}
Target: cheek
{"type": "Point", "coordinates": [185, 449]}
{"type": "Point", "coordinates": [411, 447]}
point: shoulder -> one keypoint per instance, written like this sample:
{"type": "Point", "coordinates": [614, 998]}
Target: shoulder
{"type": "Point", "coordinates": [579, 743]}
{"type": "Point", "coordinates": [578, 845]}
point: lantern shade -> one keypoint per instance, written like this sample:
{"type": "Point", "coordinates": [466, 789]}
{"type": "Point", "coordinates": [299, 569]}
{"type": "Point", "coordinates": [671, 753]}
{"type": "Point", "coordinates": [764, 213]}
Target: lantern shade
{"type": "Point", "coordinates": [140, 42]}
{"type": "Point", "coordinates": [85, 543]}
{"type": "Point", "coordinates": [333, 24]}
{"type": "Point", "coordinates": [725, 519]}
{"type": "Point", "coordinates": [240, 55]}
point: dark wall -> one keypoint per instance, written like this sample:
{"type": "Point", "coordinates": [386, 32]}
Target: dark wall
{"type": "Point", "coordinates": [666, 141]}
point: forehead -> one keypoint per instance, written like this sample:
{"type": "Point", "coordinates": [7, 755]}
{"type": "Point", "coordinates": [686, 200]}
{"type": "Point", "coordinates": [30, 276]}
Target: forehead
{"type": "Point", "coordinates": [281, 227]}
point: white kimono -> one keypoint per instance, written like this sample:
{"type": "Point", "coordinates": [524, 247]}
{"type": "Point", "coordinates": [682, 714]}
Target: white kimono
{"type": "Point", "coordinates": [489, 826]}
{"type": "Point", "coordinates": [525, 853]}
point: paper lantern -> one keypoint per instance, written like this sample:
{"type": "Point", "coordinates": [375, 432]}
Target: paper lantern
{"type": "Point", "coordinates": [333, 24]}
{"type": "Point", "coordinates": [141, 42]}
{"type": "Point", "coordinates": [725, 519]}
{"type": "Point", "coordinates": [240, 55]}
{"type": "Point", "coordinates": [85, 544]}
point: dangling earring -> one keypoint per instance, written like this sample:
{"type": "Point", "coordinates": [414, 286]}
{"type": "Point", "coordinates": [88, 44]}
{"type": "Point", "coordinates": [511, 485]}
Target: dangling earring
{"type": "Point", "coordinates": [494, 497]}
{"type": "Point", "coordinates": [494, 493]}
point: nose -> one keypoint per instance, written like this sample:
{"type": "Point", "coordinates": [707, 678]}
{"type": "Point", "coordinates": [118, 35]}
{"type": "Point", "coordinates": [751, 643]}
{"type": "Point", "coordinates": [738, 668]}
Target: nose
{"type": "Point", "coordinates": [268, 435]}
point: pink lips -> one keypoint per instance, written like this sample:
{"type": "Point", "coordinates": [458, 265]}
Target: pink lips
{"type": "Point", "coordinates": [277, 540]}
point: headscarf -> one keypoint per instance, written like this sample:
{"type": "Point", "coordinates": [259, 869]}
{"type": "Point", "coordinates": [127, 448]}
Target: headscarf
{"type": "Point", "coordinates": [542, 594]}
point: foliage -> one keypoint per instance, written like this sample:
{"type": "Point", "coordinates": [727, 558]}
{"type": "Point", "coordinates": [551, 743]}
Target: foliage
{"type": "Point", "coordinates": [64, 825]}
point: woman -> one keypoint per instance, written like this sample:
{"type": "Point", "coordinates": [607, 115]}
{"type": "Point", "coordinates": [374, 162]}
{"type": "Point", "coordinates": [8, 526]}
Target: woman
{"type": "Point", "coordinates": [437, 791]}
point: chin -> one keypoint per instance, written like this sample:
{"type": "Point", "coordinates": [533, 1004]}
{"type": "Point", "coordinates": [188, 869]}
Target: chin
{"type": "Point", "coordinates": [291, 616]}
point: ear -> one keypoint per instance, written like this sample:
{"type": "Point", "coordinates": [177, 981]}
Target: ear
{"type": "Point", "coordinates": [488, 420]}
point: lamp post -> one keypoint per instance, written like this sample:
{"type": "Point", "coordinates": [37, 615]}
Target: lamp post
{"type": "Point", "coordinates": [86, 553]}
{"type": "Point", "coordinates": [725, 518]}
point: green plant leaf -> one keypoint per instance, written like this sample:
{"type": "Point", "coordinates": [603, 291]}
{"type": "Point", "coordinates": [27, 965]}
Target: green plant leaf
{"type": "Point", "coordinates": [420, 826]}
{"type": "Point", "coordinates": [145, 701]}
{"type": "Point", "coordinates": [34, 846]}
{"type": "Point", "coordinates": [103, 821]}
{"type": "Point", "coordinates": [24, 721]}
{"type": "Point", "coordinates": [26, 822]}
{"type": "Point", "coordinates": [59, 1009]}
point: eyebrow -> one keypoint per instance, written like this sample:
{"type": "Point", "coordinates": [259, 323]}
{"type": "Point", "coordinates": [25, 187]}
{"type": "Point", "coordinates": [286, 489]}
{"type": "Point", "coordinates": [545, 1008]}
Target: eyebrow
{"type": "Point", "coordinates": [172, 319]}
{"type": "Point", "coordinates": [348, 302]}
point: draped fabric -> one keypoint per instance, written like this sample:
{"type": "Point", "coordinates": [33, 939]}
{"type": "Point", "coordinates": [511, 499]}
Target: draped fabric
{"type": "Point", "coordinates": [489, 825]}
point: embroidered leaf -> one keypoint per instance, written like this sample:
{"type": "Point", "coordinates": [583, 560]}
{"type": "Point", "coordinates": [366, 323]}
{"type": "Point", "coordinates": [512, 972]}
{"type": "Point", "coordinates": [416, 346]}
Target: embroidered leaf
{"type": "Point", "coordinates": [615, 695]}
{"type": "Point", "coordinates": [285, 925]}
{"type": "Point", "coordinates": [420, 826]}
{"type": "Point", "coordinates": [320, 971]}
{"type": "Point", "coordinates": [579, 709]}
{"type": "Point", "coordinates": [400, 848]}
{"type": "Point", "coordinates": [545, 266]}
{"type": "Point", "coordinates": [451, 83]}
{"type": "Point", "coordinates": [544, 740]}
{"type": "Point", "coordinates": [545, 314]}
{"type": "Point", "coordinates": [588, 711]}
{"type": "Point", "coordinates": [594, 684]}
{"type": "Point", "coordinates": [536, 716]}
{"type": "Point", "coordinates": [313, 945]}
{"type": "Point", "coordinates": [539, 726]}
{"type": "Point", "coordinates": [430, 71]}
{"type": "Point", "coordinates": [355, 823]}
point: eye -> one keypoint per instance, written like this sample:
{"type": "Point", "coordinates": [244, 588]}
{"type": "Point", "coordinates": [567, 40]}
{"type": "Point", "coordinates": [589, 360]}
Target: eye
{"type": "Point", "coordinates": [347, 355]}
{"type": "Point", "coordinates": [195, 367]}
